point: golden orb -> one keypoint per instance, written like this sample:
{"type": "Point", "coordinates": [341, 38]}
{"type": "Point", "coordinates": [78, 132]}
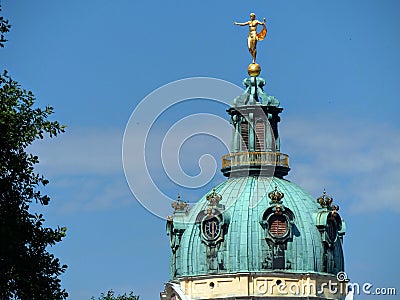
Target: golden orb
{"type": "Point", "coordinates": [254, 70]}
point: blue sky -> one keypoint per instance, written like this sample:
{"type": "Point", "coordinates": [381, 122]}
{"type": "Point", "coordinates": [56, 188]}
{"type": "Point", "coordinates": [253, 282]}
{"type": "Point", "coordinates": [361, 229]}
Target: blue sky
{"type": "Point", "coordinates": [334, 65]}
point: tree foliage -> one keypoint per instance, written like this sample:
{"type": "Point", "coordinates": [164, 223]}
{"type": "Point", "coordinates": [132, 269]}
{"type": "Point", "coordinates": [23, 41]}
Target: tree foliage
{"type": "Point", "coordinates": [111, 296]}
{"type": "Point", "coordinates": [27, 270]}
{"type": "Point", "coordinates": [4, 28]}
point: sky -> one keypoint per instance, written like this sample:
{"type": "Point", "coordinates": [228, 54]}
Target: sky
{"type": "Point", "coordinates": [334, 66]}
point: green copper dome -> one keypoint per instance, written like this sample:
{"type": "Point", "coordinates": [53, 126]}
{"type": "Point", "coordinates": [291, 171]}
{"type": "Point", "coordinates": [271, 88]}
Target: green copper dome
{"type": "Point", "coordinates": [256, 221]}
{"type": "Point", "coordinates": [245, 243]}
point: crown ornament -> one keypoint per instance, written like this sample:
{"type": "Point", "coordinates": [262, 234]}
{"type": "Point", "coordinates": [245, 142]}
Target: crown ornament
{"type": "Point", "coordinates": [180, 206]}
{"type": "Point", "coordinates": [276, 196]}
{"type": "Point", "coordinates": [325, 200]}
{"type": "Point", "coordinates": [213, 198]}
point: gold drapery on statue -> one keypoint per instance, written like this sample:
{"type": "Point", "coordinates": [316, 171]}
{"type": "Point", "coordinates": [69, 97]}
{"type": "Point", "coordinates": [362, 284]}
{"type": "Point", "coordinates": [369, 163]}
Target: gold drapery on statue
{"type": "Point", "coordinates": [262, 34]}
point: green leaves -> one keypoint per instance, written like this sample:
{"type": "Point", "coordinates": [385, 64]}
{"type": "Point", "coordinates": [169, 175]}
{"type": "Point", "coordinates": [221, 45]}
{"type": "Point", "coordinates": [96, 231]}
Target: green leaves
{"type": "Point", "coordinates": [16, 112]}
{"type": "Point", "coordinates": [27, 269]}
{"type": "Point", "coordinates": [4, 28]}
{"type": "Point", "coordinates": [111, 296]}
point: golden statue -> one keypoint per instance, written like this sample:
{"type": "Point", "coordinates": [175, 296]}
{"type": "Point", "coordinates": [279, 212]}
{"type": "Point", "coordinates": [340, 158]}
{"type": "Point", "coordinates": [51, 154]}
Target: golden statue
{"type": "Point", "coordinates": [253, 36]}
